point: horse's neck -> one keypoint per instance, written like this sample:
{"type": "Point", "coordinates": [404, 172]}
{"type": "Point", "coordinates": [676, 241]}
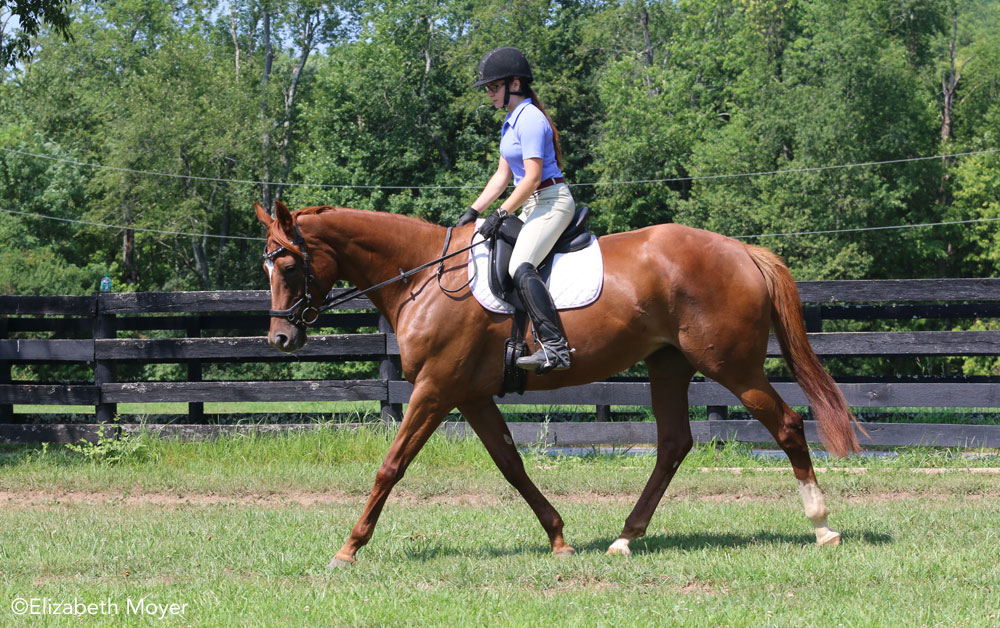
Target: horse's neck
{"type": "Point", "coordinates": [372, 247]}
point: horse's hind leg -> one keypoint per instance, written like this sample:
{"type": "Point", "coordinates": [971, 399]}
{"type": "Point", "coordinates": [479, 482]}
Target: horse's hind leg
{"type": "Point", "coordinates": [669, 377]}
{"type": "Point", "coordinates": [486, 419]}
{"type": "Point", "coordinates": [763, 402]}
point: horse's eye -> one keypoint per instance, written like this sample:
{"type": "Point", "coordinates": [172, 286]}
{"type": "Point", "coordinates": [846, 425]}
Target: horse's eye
{"type": "Point", "coordinates": [288, 270]}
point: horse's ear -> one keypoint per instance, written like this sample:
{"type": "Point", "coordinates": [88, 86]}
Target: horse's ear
{"type": "Point", "coordinates": [263, 216]}
{"type": "Point", "coordinates": [284, 217]}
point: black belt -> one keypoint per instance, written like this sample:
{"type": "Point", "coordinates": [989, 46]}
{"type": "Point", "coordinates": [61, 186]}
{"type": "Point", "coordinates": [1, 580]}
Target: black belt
{"type": "Point", "coordinates": [550, 182]}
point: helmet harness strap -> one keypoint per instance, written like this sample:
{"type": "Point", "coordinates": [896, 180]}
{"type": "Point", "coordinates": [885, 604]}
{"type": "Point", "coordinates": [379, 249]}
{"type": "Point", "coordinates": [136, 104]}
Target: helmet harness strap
{"type": "Point", "coordinates": [507, 93]}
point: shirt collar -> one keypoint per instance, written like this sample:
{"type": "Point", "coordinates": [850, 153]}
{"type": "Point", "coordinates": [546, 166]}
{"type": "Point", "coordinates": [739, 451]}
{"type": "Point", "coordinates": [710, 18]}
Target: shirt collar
{"type": "Point", "coordinates": [511, 118]}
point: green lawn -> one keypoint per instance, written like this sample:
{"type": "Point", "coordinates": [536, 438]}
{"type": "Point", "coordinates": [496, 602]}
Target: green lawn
{"type": "Point", "coordinates": [238, 531]}
{"type": "Point", "coordinates": [309, 411]}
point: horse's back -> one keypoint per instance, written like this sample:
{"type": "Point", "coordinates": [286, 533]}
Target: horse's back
{"type": "Point", "coordinates": [688, 262]}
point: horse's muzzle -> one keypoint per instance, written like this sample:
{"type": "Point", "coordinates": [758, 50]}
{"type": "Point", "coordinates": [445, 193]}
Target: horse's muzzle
{"type": "Point", "coordinates": [287, 340]}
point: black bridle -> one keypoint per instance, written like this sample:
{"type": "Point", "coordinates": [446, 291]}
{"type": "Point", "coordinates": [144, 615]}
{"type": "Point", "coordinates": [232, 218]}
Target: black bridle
{"type": "Point", "coordinates": [302, 313]}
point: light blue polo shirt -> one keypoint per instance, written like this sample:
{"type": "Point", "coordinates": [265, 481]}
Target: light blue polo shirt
{"type": "Point", "coordinates": [527, 134]}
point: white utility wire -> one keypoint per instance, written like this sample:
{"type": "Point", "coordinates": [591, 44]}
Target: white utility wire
{"type": "Point", "coordinates": [739, 237]}
{"type": "Point", "coordinates": [923, 224]}
{"type": "Point", "coordinates": [120, 227]}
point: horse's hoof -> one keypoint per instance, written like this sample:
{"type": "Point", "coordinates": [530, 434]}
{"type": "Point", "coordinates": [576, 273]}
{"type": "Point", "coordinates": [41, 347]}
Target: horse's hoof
{"type": "Point", "coordinates": [565, 552]}
{"type": "Point", "coordinates": [619, 548]}
{"type": "Point", "coordinates": [827, 537]}
{"type": "Point", "coordinates": [338, 563]}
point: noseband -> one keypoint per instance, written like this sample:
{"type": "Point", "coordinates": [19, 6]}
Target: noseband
{"type": "Point", "coordinates": [301, 313]}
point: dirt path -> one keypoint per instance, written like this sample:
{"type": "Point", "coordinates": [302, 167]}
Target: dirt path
{"type": "Point", "coordinates": [43, 499]}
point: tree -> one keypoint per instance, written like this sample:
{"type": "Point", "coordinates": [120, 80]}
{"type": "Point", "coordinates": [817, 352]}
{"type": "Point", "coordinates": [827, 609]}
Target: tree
{"type": "Point", "coordinates": [303, 25]}
{"type": "Point", "coordinates": [21, 21]}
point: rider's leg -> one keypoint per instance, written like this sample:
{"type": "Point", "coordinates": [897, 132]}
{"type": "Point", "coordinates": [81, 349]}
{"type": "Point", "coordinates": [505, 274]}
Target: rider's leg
{"type": "Point", "coordinates": [546, 215]}
{"type": "Point", "coordinates": [553, 351]}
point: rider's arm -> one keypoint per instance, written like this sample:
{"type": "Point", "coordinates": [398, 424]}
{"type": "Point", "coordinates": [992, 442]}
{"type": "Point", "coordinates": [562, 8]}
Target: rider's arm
{"type": "Point", "coordinates": [494, 187]}
{"type": "Point", "coordinates": [526, 187]}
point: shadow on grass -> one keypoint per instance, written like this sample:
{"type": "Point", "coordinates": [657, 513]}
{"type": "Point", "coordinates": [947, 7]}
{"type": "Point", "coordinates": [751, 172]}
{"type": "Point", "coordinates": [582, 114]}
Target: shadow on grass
{"type": "Point", "coordinates": [661, 543]}
{"type": "Point", "coordinates": [697, 541]}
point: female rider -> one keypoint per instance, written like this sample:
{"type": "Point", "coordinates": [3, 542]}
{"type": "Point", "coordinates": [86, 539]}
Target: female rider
{"type": "Point", "coordinates": [530, 152]}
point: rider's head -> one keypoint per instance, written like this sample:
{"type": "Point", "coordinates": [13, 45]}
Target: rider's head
{"type": "Point", "coordinates": [502, 68]}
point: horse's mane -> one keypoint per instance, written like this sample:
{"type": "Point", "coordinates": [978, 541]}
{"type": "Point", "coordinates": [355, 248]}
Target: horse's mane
{"type": "Point", "coordinates": [279, 236]}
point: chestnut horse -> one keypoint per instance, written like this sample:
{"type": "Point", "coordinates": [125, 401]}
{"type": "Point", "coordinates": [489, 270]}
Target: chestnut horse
{"type": "Point", "coordinates": [680, 299]}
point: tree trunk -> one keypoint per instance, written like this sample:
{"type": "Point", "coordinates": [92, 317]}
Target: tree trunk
{"type": "Point", "coordinates": [131, 274]}
{"type": "Point", "coordinates": [428, 109]}
{"type": "Point", "coordinates": [648, 54]}
{"type": "Point", "coordinates": [224, 243]}
{"type": "Point", "coordinates": [201, 261]}
{"type": "Point", "coordinates": [949, 85]}
{"type": "Point", "coordinates": [236, 43]}
{"type": "Point", "coordinates": [266, 135]}
{"type": "Point", "coordinates": [310, 24]}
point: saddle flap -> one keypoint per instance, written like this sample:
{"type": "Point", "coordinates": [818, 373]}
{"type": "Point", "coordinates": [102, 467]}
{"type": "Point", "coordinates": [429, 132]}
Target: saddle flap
{"type": "Point", "coordinates": [510, 229]}
{"type": "Point", "coordinates": [501, 284]}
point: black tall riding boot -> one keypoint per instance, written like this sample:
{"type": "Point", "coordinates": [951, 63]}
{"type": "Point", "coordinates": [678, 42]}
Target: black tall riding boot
{"type": "Point", "coordinates": [553, 352]}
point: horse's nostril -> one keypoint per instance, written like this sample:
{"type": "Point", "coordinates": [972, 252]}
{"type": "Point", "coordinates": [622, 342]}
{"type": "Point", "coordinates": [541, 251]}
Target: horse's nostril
{"type": "Point", "coordinates": [281, 340]}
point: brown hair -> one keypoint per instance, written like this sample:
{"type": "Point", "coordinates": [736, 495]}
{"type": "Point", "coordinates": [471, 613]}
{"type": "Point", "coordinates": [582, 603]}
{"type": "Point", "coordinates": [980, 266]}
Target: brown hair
{"type": "Point", "coordinates": [555, 134]}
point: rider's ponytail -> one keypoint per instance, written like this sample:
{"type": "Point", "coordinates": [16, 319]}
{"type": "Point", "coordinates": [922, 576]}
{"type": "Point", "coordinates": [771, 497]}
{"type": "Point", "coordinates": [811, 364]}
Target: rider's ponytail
{"type": "Point", "coordinates": [555, 134]}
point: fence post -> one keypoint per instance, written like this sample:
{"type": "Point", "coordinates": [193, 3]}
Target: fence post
{"type": "Point", "coordinates": [105, 371]}
{"type": "Point", "coordinates": [6, 409]}
{"type": "Point", "coordinates": [196, 409]}
{"type": "Point", "coordinates": [389, 369]}
{"type": "Point", "coordinates": [603, 413]}
{"type": "Point", "coordinates": [813, 318]}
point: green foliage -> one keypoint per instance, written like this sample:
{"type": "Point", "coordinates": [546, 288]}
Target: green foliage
{"type": "Point", "coordinates": [29, 18]}
{"type": "Point", "coordinates": [113, 447]}
{"type": "Point", "coordinates": [688, 96]}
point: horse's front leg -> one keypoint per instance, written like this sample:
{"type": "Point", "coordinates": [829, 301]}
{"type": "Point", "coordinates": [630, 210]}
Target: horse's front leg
{"type": "Point", "coordinates": [423, 415]}
{"type": "Point", "coordinates": [486, 419]}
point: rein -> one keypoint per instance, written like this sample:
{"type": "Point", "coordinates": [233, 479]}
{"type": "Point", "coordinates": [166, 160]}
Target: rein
{"type": "Point", "coordinates": [302, 314]}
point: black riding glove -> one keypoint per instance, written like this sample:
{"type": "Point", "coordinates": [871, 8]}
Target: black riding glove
{"type": "Point", "coordinates": [492, 224]}
{"type": "Point", "coordinates": [470, 215]}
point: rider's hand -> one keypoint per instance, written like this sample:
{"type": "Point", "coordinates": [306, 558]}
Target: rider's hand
{"type": "Point", "coordinates": [492, 224]}
{"type": "Point", "coordinates": [470, 215]}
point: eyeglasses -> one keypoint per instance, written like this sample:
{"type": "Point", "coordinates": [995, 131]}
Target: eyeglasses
{"type": "Point", "coordinates": [492, 88]}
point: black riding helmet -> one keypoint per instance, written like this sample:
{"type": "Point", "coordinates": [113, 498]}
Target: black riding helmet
{"type": "Point", "coordinates": [504, 64]}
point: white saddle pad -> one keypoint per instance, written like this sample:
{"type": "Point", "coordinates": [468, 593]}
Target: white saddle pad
{"type": "Point", "coordinates": [576, 280]}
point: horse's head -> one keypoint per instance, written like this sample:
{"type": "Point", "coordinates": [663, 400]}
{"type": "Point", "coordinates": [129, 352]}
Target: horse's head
{"type": "Point", "coordinates": [300, 274]}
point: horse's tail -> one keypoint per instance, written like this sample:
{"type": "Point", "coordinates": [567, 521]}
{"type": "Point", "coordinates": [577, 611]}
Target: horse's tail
{"type": "Point", "coordinates": [825, 398]}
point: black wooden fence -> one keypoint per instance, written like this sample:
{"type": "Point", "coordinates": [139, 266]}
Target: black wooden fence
{"type": "Point", "coordinates": [105, 331]}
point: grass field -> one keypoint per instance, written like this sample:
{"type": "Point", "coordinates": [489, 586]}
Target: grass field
{"type": "Point", "coordinates": [356, 411]}
{"type": "Point", "coordinates": [238, 531]}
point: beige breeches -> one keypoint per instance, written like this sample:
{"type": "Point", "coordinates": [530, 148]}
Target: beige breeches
{"type": "Point", "coordinates": [545, 214]}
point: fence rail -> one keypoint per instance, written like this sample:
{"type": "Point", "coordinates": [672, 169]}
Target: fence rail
{"type": "Point", "coordinates": [99, 331]}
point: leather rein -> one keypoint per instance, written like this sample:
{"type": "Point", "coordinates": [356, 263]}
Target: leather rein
{"type": "Point", "coordinates": [302, 313]}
